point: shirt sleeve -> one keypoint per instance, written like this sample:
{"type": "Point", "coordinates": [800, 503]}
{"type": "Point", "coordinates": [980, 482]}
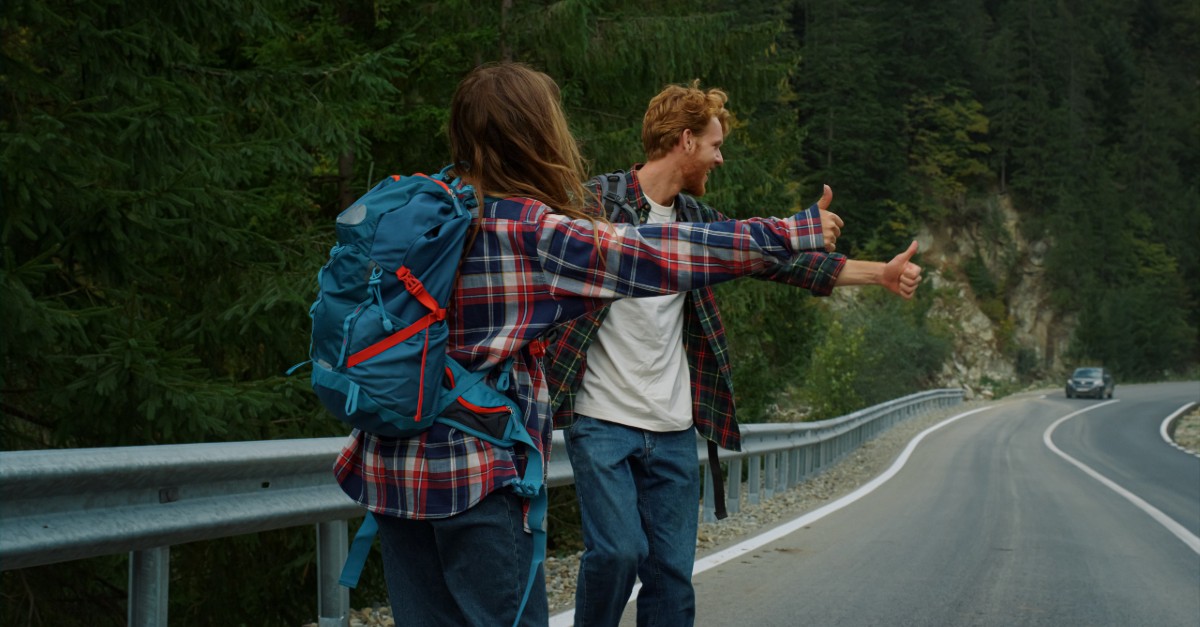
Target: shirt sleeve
{"type": "Point", "coordinates": [813, 271]}
{"type": "Point", "coordinates": [813, 239]}
{"type": "Point", "coordinates": [602, 261]}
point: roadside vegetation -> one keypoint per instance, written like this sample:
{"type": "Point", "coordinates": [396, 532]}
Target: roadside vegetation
{"type": "Point", "coordinates": [170, 172]}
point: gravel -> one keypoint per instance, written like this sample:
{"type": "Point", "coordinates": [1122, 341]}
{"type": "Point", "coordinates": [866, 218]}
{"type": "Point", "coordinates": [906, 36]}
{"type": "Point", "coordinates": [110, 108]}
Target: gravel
{"type": "Point", "coordinates": [1187, 431]}
{"type": "Point", "coordinates": [856, 469]}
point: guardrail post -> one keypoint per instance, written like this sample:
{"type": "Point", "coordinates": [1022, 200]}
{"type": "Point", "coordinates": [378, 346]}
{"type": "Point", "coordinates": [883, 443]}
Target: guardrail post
{"type": "Point", "coordinates": [149, 586]}
{"type": "Point", "coordinates": [252, 483]}
{"type": "Point", "coordinates": [754, 481]}
{"type": "Point", "coordinates": [333, 600]}
{"type": "Point", "coordinates": [733, 501]}
{"type": "Point", "coordinates": [771, 474]}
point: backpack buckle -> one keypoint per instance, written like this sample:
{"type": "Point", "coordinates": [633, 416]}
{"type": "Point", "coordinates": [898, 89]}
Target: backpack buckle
{"type": "Point", "coordinates": [411, 283]}
{"type": "Point", "coordinates": [417, 289]}
{"type": "Point", "coordinates": [406, 276]}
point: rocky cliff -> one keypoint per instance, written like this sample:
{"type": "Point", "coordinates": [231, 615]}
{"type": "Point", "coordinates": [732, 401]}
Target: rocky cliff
{"type": "Point", "coordinates": [988, 284]}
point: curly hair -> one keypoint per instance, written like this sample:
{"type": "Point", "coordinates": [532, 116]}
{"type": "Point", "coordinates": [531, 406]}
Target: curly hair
{"type": "Point", "coordinates": [679, 107]}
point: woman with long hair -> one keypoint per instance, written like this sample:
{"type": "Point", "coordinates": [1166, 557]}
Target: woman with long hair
{"type": "Point", "coordinates": [455, 542]}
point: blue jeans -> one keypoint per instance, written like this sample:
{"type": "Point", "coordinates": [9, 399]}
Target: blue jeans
{"type": "Point", "coordinates": [469, 569]}
{"type": "Point", "coordinates": [639, 499]}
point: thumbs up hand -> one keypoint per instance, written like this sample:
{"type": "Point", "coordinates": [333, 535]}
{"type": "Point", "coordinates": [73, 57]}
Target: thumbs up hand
{"type": "Point", "coordinates": [900, 275]}
{"type": "Point", "coordinates": [831, 223]}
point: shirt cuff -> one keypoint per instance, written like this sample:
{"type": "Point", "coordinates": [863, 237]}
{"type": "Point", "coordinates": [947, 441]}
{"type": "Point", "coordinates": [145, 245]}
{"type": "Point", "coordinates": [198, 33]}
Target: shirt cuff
{"type": "Point", "coordinates": [826, 274]}
{"type": "Point", "coordinates": [809, 236]}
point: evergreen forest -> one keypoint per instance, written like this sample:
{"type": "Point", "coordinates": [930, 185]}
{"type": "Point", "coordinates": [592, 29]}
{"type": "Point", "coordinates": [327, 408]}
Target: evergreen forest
{"type": "Point", "coordinates": [170, 172]}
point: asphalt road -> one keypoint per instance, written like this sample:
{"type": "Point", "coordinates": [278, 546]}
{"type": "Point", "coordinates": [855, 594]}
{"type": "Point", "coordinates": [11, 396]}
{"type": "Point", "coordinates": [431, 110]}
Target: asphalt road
{"type": "Point", "coordinates": [1035, 511]}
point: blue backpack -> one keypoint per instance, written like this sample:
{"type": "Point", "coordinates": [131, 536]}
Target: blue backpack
{"type": "Point", "coordinates": [379, 335]}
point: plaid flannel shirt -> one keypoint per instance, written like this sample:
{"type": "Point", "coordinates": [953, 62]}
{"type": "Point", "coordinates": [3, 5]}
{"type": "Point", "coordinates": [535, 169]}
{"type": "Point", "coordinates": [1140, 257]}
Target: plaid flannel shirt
{"type": "Point", "coordinates": [713, 410]}
{"type": "Point", "coordinates": [527, 270]}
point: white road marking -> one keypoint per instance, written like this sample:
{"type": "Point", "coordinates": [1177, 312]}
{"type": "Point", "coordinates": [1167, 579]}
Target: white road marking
{"type": "Point", "coordinates": [1162, 429]}
{"type": "Point", "coordinates": [1179, 530]}
{"type": "Point", "coordinates": [566, 619]}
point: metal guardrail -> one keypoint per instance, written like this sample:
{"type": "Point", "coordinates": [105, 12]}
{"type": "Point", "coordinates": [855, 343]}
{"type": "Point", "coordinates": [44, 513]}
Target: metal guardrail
{"type": "Point", "coordinates": [68, 504]}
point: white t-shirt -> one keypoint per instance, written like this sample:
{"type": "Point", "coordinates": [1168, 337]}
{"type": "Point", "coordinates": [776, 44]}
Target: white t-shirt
{"type": "Point", "coordinates": [637, 374]}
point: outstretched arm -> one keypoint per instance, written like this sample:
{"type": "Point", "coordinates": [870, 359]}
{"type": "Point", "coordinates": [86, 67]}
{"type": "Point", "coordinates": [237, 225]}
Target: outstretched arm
{"type": "Point", "coordinates": [899, 275]}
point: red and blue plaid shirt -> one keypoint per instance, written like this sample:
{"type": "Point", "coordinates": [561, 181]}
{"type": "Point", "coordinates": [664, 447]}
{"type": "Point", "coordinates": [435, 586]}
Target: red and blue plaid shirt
{"type": "Point", "coordinates": [713, 410]}
{"type": "Point", "coordinates": [527, 270]}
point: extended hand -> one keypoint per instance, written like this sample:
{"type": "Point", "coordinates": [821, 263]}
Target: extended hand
{"type": "Point", "coordinates": [901, 275]}
{"type": "Point", "coordinates": [831, 224]}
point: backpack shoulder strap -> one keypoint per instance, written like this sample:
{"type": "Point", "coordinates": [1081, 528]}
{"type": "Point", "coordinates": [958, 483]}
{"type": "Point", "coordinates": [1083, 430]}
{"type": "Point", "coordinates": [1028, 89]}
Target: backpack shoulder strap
{"type": "Point", "coordinates": [613, 188]}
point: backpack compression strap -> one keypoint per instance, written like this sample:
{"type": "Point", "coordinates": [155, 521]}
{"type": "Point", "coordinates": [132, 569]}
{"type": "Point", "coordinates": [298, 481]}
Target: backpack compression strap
{"type": "Point", "coordinates": [537, 526]}
{"type": "Point", "coordinates": [356, 557]}
{"type": "Point", "coordinates": [414, 287]}
{"type": "Point", "coordinates": [436, 314]}
{"type": "Point", "coordinates": [714, 466]}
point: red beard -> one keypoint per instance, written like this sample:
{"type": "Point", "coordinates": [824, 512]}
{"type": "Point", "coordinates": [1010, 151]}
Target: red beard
{"type": "Point", "coordinates": [694, 178]}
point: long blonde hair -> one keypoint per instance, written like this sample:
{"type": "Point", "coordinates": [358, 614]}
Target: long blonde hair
{"type": "Point", "coordinates": [509, 137]}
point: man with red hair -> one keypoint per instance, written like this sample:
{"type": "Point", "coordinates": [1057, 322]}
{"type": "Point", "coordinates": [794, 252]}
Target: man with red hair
{"type": "Point", "coordinates": [635, 382]}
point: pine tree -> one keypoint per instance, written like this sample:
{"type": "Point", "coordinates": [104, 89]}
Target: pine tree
{"type": "Point", "coordinates": [161, 164]}
{"type": "Point", "coordinates": [169, 172]}
{"type": "Point", "coordinates": [611, 59]}
{"type": "Point", "coordinates": [170, 175]}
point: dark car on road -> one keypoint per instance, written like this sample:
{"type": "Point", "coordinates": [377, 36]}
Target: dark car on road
{"type": "Point", "coordinates": [1091, 381]}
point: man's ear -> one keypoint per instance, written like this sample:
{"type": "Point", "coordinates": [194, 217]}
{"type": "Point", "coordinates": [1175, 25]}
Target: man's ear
{"type": "Point", "coordinates": [687, 140]}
